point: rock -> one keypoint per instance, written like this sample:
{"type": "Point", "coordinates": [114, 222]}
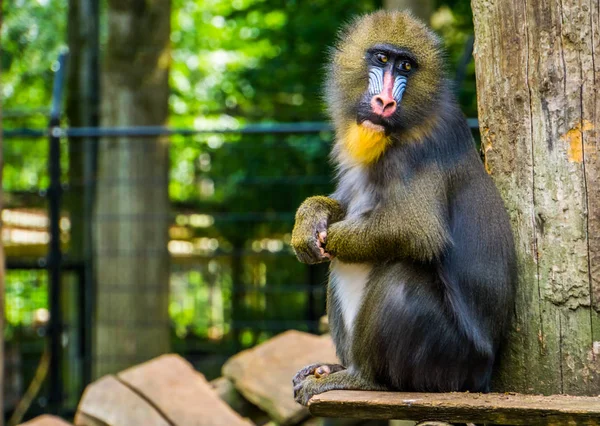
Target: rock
{"type": "Point", "coordinates": [108, 401]}
{"type": "Point", "coordinates": [46, 420]}
{"type": "Point", "coordinates": [180, 393]}
{"type": "Point", "coordinates": [264, 373]}
{"type": "Point", "coordinates": [228, 393]}
{"type": "Point", "coordinates": [165, 391]}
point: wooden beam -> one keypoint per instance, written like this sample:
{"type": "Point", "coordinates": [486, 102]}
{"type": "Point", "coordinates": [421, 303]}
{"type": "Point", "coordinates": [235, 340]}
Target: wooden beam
{"type": "Point", "coordinates": [493, 408]}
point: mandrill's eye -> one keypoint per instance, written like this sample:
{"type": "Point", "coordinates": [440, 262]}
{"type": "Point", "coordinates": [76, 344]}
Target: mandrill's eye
{"type": "Point", "coordinates": [382, 58]}
{"type": "Point", "coordinates": [405, 66]}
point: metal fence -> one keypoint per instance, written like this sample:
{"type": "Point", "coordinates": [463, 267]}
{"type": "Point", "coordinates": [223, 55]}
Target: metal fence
{"type": "Point", "coordinates": [222, 298]}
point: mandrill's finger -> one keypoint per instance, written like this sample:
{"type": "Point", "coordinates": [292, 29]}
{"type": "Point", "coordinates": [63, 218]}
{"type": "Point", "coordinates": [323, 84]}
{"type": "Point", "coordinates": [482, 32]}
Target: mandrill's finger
{"type": "Point", "coordinates": [324, 254]}
{"type": "Point", "coordinates": [322, 236]}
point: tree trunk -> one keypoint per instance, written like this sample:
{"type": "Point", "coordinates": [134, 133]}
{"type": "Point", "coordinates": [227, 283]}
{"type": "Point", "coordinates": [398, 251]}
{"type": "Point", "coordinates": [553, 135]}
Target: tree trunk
{"type": "Point", "coordinates": [132, 207]}
{"type": "Point", "coordinates": [81, 111]}
{"type": "Point", "coordinates": [2, 366]}
{"type": "Point", "coordinates": [420, 8]}
{"type": "Point", "coordinates": [538, 74]}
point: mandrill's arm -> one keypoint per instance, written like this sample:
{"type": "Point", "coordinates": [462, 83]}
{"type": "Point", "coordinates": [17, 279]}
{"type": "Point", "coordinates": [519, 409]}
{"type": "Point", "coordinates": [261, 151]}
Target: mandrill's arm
{"type": "Point", "coordinates": [313, 218]}
{"type": "Point", "coordinates": [397, 229]}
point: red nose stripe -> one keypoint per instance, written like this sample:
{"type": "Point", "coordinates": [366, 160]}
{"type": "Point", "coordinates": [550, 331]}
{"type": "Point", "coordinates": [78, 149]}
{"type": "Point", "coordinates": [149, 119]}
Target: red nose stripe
{"type": "Point", "coordinates": [388, 86]}
{"type": "Point", "coordinates": [384, 104]}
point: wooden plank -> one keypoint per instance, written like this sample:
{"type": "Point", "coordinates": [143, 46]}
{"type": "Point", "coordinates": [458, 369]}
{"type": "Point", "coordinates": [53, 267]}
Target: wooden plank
{"type": "Point", "coordinates": [494, 408]}
{"type": "Point", "coordinates": [108, 401]}
{"type": "Point", "coordinates": [508, 409]}
{"type": "Point", "coordinates": [46, 420]}
{"type": "Point", "coordinates": [264, 373]}
{"type": "Point", "coordinates": [180, 393]}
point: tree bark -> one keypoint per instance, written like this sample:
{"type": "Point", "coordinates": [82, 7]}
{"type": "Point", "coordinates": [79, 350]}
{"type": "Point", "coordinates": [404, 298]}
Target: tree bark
{"type": "Point", "coordinates": [538, 73]}
{"type": "Point", "coordinates": [81, 107]}
{"type": "Point", "coordinates": [420, 8]}
{"type": "Point", "coordinates": [2, 260]}
{"type": "Point", "coordinates": [132, 207]}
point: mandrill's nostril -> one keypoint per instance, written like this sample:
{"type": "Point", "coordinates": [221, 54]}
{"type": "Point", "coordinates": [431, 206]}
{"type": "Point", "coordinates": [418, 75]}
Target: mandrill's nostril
{"type": "Point", "coordinates": [383, 106]}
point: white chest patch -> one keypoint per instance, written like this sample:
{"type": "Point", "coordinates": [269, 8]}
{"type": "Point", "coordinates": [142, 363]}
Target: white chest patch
{"type": "Point", "coordinates": [349, 281]}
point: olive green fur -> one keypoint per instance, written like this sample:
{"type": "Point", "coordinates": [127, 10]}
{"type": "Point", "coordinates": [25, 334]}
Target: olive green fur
{"type": "Point", "coordinates": [407, 223]}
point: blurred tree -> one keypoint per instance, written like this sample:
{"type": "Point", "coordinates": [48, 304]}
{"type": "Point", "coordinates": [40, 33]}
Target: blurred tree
{"type": "Point", "coordinates": [81, 107]}
{"type": "Point", "coordinates": [81, 110]}
{"type": "Point", "coordinates": [421, 8]}
{"type": "Point", "coordinates": [131, 213]}
{"type": "Point", "coordinates": [1, 257]}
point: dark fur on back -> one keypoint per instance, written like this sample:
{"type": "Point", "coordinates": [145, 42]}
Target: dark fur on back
{"type": "Point", "coordinates": [432, 323]}
{"type": "Point", "coordinates": [435, 325]}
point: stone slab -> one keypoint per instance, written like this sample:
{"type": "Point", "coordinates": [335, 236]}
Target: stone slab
{"type": "Point", "coordinates": [263, 374]}
{"type": "Point", "coordinates": [181, 394]}
{"type": "Point", "coordinates": [46, 420]}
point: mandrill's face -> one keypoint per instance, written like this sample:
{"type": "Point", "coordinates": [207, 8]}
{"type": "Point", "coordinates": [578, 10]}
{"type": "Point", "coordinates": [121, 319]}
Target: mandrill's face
{"type": "Point", "coordinates": [390, 69]}
{"type": "Point", "coordinates": [387, 75]}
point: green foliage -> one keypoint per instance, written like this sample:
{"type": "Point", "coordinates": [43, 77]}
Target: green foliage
{"type": "Point", "coordinates": [248, 61]}
{"type": "Point", "coordinates": [25, 292]}
{"type": "Point", "coordinates": [453, 20]}
{"type": "Point", "coordinates": [233, 62]}
{"type": "Point", "coordinates": [252, 59]}
{"type": "Point", "coordinates": [33, 34]}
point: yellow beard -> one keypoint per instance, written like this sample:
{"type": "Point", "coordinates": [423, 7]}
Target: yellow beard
{"type": "Point", "coordinates": [365, 145]}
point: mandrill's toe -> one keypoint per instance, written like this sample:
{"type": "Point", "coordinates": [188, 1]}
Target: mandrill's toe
{"type": "Point", "coordinates": [307, 371]}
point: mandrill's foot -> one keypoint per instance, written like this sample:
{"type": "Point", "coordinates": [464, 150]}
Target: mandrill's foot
{"type": "Point", "coordinates": [319, 378]}
{"type": "Point", "coordinates": [306, 379]}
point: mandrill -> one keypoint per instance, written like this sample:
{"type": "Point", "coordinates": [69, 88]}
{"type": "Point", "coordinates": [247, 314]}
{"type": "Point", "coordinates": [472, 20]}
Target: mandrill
{"type": "Point", "coordinates": [423, 270]}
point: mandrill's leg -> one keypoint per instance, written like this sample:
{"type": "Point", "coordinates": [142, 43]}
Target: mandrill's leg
{"type": "Point", "coordinates": [311, 385]}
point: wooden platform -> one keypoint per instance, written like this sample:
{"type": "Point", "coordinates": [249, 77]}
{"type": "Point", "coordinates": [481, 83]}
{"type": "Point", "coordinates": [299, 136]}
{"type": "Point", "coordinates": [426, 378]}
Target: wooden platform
{"type": "Point", "coordinates": [494, 408]}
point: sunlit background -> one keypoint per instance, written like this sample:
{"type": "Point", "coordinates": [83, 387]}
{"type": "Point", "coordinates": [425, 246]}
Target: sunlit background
{"type": "Point", "coordinates": [233, 279]}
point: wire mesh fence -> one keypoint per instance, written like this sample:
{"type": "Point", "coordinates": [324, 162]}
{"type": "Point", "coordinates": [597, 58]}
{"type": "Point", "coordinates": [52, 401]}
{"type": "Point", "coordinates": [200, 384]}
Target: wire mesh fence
{"type": "Point", "coordinates": [233, 279]}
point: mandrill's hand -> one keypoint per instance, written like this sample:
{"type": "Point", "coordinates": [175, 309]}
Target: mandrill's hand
{"type": "Point", "coordinates": [309, 236]}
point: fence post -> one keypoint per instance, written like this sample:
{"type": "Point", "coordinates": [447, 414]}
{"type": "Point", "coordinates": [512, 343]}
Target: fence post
{"type": "Point", "coordinates": [54, 259]}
